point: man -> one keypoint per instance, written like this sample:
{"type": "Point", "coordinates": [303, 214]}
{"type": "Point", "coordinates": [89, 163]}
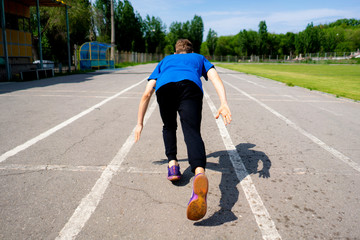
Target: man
{"type": "Point", "coordinates": [176, 81]}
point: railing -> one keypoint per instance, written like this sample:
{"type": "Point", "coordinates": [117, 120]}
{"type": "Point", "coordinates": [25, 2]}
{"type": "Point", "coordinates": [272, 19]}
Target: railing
{"type": "Point", "coordinates": [138, 57]}
{"type": "Point", "coordinates": [148, 57]}
{"type": "Point", "coordinates": [287, 58]}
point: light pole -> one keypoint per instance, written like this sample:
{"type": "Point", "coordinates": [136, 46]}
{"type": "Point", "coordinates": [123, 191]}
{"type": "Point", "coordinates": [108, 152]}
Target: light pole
{"type": "Point", "coordinates": [112, 57]}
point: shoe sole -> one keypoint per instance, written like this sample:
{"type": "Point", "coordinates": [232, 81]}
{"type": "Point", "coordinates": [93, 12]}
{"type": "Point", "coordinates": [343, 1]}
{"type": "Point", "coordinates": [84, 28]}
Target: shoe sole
{"type": "Point", "coordinates": [197, 208]}
{"type": "Point", "coordinates": [174, 178]}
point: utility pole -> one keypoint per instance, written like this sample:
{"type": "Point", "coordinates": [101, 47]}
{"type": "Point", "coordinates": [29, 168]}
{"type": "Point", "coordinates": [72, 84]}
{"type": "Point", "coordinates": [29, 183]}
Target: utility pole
{"type": "Point", "coordinates": [39, 33]}
{"type": "Point", "coordinates": [3, 28]}
{"type": "Point", "coordinates": [112, 57]}
{"type": "Point", "coordinates": [68, 37]}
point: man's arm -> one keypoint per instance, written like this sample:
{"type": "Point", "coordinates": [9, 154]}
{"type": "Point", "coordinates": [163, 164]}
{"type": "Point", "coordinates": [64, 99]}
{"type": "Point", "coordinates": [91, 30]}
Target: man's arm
{"type": "Point", "coordinates": [224, 109]}
{"type": "Point", "coordinates": [144, 103]}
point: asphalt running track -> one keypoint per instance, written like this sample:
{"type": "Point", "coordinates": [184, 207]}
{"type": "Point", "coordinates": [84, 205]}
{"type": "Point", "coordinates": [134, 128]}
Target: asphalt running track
{"type": "Point", "coordinates": [288, 166]}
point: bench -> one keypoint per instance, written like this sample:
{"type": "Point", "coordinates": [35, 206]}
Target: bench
{"type": "Point", "coordinates": [36, 74]}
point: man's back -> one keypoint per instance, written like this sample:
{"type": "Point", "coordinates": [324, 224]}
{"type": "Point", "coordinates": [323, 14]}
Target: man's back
{"type": "Point", "coordinates": [178, 67]}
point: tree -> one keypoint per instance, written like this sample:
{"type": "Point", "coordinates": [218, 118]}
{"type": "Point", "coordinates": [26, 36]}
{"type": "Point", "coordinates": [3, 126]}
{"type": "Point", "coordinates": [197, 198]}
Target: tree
{"type": "Point", "coordinates": [345, 23]}
{"type": "Point", "coordinates": [311, 39]}
{"type": "Point", "coordinates": [263, 38]}
{"type": "Point", "coordinates": [79, 21]}
{"type": "Point", "coordinates": [190, 30]}
{"type": "Point", "coordinates": [223, 46]}
{"type": "Point", "coordinates": [274, 44]}
{"type": "Point", "coordinates": [347, 40]}
{"type": "Point", "coordinates": [54, 32]}
{"type": "Point", "coordinates": [196, 32]}
{"type": "Point", "coordinates": [299, 43]}
{"type": "Point", "coordinates": [175, 32]}
{"type": "Point", "coordinates": [185, 29]}
{"type": "Point", "coordinates": [247, 42]}
{"type": "Point", "coordinates": [354, 37]}
{"type": "Point", "coordinates": [287, 44]}
{"type": "Point", "coordinates": [154, 31]}
{"type": "Point", "coordinates": [103, 19]}
{"type": "Point", "coordinates": [328, 39]}
{"type": "Point", "coordinates": [211, 40]}
{"type": "Point", "coordinates": [204, 50]}
{"type": "Point", "coordinates": [128, 28]}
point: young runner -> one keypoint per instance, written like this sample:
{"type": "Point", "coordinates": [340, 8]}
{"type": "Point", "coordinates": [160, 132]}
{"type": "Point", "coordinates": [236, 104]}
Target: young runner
{"type": "Point", "coordinates": [177, 83]}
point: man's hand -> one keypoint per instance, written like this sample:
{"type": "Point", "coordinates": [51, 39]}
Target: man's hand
{"type": "Point", "coordinates": [143, 105]}
{"type": "Point", "coordinates": [138, 129]}
{"type": "Point", "coordinates": [224, 110]}
{"type": "Point", "coordinates": [264, 173]}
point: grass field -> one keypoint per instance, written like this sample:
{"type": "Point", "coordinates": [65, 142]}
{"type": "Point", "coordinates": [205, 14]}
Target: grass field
{"type": "Point", "coordinates": [340, 80]}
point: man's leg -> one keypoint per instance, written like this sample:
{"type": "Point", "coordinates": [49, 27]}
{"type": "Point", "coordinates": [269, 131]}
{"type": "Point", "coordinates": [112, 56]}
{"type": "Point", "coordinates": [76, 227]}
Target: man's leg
{"type": "Point", "coordinates": [190, 111]}
{"type": "Point", "coordinates": [168, 113]}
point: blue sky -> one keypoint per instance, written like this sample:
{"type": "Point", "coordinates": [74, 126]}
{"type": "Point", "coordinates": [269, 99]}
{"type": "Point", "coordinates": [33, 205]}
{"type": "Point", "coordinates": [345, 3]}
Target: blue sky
{"type": "Point", "coordinates": [228, 17]}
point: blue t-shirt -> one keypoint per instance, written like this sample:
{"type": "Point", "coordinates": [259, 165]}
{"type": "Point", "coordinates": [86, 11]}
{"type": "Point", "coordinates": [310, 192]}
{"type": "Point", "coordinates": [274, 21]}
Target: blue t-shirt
{"type": "Point", "coordinates": [178, 67]}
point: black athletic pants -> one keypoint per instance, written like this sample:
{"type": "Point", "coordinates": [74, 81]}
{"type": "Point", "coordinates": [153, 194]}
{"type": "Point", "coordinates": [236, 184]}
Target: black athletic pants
{"type": "Point", "coordinates": [185, 98]}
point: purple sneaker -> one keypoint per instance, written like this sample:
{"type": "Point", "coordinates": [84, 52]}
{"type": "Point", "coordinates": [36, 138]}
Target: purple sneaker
{"type": "Point", "coordinates": [197, 205]}
{"type": "Point", "coordinates": [174, 173]}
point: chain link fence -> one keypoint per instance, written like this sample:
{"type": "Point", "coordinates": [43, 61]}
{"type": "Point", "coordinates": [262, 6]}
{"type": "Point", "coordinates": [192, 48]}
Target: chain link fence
{"type": "Point", "coordinates": [152, 57]}
{"type": "Point", "coordinates": [135, 57]}
{"type": "Point", "coordinates": [288, 58]}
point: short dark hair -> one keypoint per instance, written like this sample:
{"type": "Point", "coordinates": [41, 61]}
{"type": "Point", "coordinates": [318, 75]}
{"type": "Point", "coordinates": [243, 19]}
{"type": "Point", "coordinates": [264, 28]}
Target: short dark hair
{"type": "Point", "coordinates": [183, 45]}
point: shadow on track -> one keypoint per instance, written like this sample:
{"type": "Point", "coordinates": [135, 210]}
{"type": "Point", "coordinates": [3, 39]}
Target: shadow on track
{"type": "Point", "coordinates": [252, 160]}
{"type": "Point", "coordinates": [9, 87]}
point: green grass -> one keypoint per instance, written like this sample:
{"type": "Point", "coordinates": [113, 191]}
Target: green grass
{"type": "Point", "coordinates": [340, 80]}
{"type": "Point", "coordinates": [128, 64]}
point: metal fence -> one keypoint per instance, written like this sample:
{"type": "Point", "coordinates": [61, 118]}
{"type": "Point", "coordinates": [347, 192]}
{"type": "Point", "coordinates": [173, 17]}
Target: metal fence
{"type": "Point", "coordinates": [288, 58]}
{"type": "Point", "coordinates": [149, 57]}
{"type": "Point", "coordinates": [136, 57]}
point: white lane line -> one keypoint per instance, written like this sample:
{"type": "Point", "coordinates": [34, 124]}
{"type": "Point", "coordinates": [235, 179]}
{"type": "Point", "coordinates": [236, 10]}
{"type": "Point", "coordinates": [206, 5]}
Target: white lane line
{"type": "Point", "coordinates": [51, 95]}
{"type": "Point", "coordinates": [326, 110]}
{"type": "Point", "coordinates": [65, 96]}
{"type": "Point", "coordinates": [135, 170]}
{"type": "Point", "coordinates": [89, 203]}
{"type": "Point", "coordinates": [259, 85]}
{"type": "Point", "coordinates": [89, 168]}
{"type": "Point", "coordinates": [45, 167]}
{"type": "Point", "coordinates": [292, 97]}
{"type": "Point", "coordinates": [315, 106]}
{"type": "Point", "coordinates": [262, 216]}
{"type": "Point", "coordinates": [289, 96]}
{"type": "Point", "coordinates": [329, 149]}
{"type": "Point", "coordinates": [47, 133]}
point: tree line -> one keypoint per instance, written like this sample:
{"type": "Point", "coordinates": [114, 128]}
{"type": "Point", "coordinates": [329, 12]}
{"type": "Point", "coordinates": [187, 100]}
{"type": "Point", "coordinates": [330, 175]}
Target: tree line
{"type": "Point", "coordinates": [340, 36]}
{"type": "Point", "coordinates": [92, 22]}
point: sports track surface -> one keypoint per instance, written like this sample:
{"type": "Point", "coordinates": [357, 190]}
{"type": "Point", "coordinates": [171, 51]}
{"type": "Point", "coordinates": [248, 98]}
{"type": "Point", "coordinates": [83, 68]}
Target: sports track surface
{"type": "Point", "coordinates": [287, 167]}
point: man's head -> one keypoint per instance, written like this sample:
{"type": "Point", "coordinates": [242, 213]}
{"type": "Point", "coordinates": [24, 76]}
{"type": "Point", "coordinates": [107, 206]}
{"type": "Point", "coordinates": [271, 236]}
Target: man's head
{"type": "Point", "coordinates": [183, 46]}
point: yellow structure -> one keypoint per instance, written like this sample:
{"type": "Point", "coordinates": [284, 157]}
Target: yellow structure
{"type": "Point", "coordinates": [18, 36]}
{"type": "Point", "coordinates": [17, 30]}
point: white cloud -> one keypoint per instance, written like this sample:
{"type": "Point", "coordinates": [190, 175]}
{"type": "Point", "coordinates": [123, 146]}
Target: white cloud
{"type": "Point", "coordinates": [225, 13]}
{"type": "Point", "coordinates": [307, 15]}
{"type": "Point", "coordinates": [232, 25]}
{"type": "Point", "coordinates": [231, 22]}
{"type": "Point", "coordinates": [229, 17]}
